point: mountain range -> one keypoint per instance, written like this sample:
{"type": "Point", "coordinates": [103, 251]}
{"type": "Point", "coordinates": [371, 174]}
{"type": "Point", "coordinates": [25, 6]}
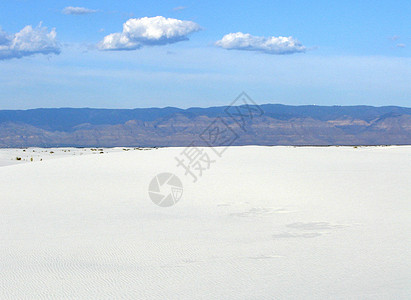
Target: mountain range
{"type": "Point", "coordinates": [268, 124]}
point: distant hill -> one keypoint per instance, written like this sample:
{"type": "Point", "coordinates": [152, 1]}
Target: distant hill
{"type": "Point", "coordinates": [269, 124]}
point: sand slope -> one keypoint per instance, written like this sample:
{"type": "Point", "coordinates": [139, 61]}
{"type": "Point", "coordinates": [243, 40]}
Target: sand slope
{"type": "Point", "coordinates": [261, 223]}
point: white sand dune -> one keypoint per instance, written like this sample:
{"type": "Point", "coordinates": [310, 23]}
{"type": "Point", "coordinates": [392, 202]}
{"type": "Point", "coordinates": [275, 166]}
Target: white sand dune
{"type": "Point", "coordinates": [261, 223]}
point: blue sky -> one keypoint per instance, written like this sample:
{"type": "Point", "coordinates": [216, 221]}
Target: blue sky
{"type": "Point", "coordinates": [203, 53]}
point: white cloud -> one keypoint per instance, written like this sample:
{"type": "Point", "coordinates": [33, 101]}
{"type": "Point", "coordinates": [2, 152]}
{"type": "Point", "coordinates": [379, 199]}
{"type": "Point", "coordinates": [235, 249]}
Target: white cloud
{"type": "Point", "coordinates": [4, 38]}
{"type": "Point", "coordinates": [271, 45]}
{"type": "Point", "coordinates": [70, 10]}
{"type": "Point", "coordinates": [179, 8]}
{"type": "Point", "coordinates": [148, 32]}
{"type": "Point", "coordinates": [28, 41]}
{"type": "Point", "coordinates": [401, 45]}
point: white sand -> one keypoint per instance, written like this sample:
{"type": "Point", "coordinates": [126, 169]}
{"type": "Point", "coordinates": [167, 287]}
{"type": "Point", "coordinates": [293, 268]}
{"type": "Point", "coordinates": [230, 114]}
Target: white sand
{"type": "Point", "coordinates": [261, 223]}
{"type": "Point", "coordinates": [15, 156]}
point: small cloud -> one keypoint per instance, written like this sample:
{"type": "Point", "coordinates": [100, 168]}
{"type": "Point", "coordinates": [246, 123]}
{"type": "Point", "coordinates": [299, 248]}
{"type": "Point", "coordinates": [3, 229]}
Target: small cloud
{"type": "Point", "coordinates": [400, 45]}
{"type": "Point", "coordinates": [270, 45]}
{"type": "Point", "coordinates": [4, 38]}
{"type": "Point", "coordinates": [149, 32]}
{"type": "Point", "coordinates": [179, 8]}
{"type": "Point", "coordinates": [394, 38]}
{"type": "Point", "coordinates": [70, 10]}
{"type": "Point", "coordinates": [28, 41]}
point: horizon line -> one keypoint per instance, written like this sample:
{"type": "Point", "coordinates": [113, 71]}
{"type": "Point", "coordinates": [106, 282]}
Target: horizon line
{"type": "Point", "coordinates": [199, 107]}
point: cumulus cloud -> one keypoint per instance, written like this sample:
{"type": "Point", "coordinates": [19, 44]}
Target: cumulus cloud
{"type": "Point", "coordinates": [28, 41]}
{"type": "Point", "coordinates": [270, 45]}
{"type": "Point", "coordinates": [401, 45]}
{"type": "Point", "coordinates": [70, 10]}
{"type": "Point", "coordinates": [148, 32]}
